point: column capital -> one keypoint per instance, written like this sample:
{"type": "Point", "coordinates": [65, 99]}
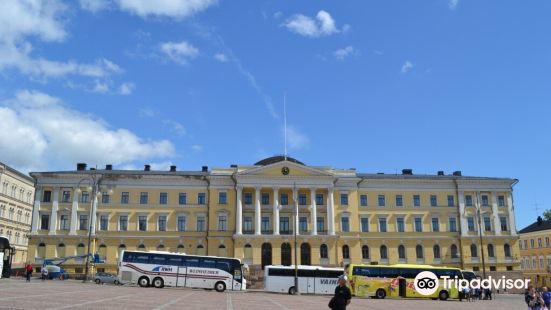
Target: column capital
{"type": "Point", "coordinates": [257, 188]}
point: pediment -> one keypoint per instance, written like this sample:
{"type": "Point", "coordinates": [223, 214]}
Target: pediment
{"type": "Point", "coordinates": [294, 170]}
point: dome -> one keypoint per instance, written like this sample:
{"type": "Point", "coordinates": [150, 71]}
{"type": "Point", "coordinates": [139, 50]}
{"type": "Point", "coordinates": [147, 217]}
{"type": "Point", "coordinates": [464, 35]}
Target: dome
{"type": "Point", "coordinates": [275, 159]}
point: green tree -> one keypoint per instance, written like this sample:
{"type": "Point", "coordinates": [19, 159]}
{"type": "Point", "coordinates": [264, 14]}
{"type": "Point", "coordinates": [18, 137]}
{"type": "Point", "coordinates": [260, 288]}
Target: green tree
{"type": "Point", "coordinates": [547, 215]}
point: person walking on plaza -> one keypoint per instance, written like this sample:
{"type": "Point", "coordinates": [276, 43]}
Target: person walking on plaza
{"type": "Point", "coordinates": [28, 271]}
{"type": "Point", "coordinates": [342, 296]}
{"type": "Point", "coordinates": [44, 273]}
{"type": "Point", "coordinates": [546, 295]}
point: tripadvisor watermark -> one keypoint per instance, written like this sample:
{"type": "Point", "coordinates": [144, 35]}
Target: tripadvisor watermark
{"type": "Point", "coordinates": [427, 283]}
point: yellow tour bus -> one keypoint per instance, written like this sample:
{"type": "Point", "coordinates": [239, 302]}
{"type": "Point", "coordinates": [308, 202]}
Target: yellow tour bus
{"type": "Point", "coordinates": [380, 281]}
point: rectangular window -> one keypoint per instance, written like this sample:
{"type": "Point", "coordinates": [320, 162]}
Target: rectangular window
{"type": "Point", "coordinates": [433, 201]}
{"type": "Point", "coordinates": [319, 199]}
{"type": "Point", "coordinates": [321, 224]}
{"type": "Point", "coordinates": [468, 200]}
{"type": "Point", "coordinates": [142, 223]}
{"type": "Point", "coordinates": [181, 223]}
{"type": "Point", "coordinates": [303, 224]}
{"type": "Point", "coordinates": [344, 199]}
{"type": "Point", "coordinates": [381, 200]}
{"type": "Point", "coordinates": [201, 223]}
{"type": "Point", "coordinates": [105, 197]}
{"type": "Point", "coordinates": [45, 221]}
{"type": "Point", "coordinates": [248, 198]}
{"type": "Point", "coordinates": [104, 222]}
{"type": "Point", "coordinates": [182, 198]}
{"type": "Point", "coordinates": [302, 199]}
{"type": "Point", "coordinates": [83, 222]}
{"type": "Point", "coordinates": [265, 199]}
{"type": "Point", "coordinates": [416, 200]}
{"type": "Point", "coordinates": [452, 223]}
{"type": "Point", "coordinates": [65, 196]}
{"type": "Point", "coordinates": [64, 222]}
{"type": "Point", "coordinates": [487, 224]}
{"type": "Point", "coordinates": [451, 201]}
{"type": "Point", "coordinates": [123, 222]}
{"type": "Point", "coordinates": [399, 201]}
{"type": "Point", "coordinates": [532, 243]}
{"type": "Point", "coordinates": [501, 201]}
{"type": "Point", "coordinates": [265, 224]}
{"type": "Point", "coordinates": [364, 221]}
{"type": "Point", "coordinates": [47, 196]}
{"type": "Point", "coordinates": [284, 199]}
{"type": "Point", "coordinates": [284, 225]}
{"type": "Point", "coordinates": [161, 223]}
{"type": "Point", "coordinates": [363, 200]}
{"type": "Point", "coordinates": [222, 222]}
{"type": "Point", "coordinates": [547, 244]}
{"type": "Point", "coordinates": [435, 224]}
{"type": "Point", "coordinates": [125, 197]}
{"type": "Point", "coordinates": [247, 224]}
{"type": "Point", "coordinates": [163, 198]}
{"type": "Point", "coordinates": [470, 224]}
{"type": "Point", "coordinates": [400, 225]}
{"type": "Point", "coordinates": [85, 197]}
{"type": "Point", "coordinates": [485, 202]}
{"type": "Point", "coordinates": [222, 198]}
{"type": "Point", "coordinates": [345, 224]}
{"type": "Point", "coordinates": [382, 224]}
{"type": "Point", "coordinates": [539, 243]}
{"type": "Point", "coordinates": [418, 224]}
{"type": "Point", "coordinates": [503, 223]}
{"type": "Point", "coordinates": [143, 198]}
{"type": "Point", "coordinates": [201, 199]}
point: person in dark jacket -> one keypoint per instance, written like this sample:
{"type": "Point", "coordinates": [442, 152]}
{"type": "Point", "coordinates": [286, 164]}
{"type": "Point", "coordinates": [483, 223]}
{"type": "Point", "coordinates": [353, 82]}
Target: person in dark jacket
{"type": "Point", "coordinates": [342, 297]}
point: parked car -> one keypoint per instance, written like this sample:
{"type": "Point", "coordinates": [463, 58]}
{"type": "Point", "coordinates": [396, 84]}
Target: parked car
{"type": "Point", "coordinates": [103, 277]}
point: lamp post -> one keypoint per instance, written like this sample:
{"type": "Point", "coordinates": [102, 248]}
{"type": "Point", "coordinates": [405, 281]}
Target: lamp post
{"type": "Point", "coordinates": [480, 236]}
{"type": "Point", "coordinates": [94, 184]}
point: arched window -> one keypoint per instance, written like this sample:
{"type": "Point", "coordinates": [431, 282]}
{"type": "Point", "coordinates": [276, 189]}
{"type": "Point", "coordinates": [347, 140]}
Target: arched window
{"type": "Point", "coordinates": [41, 250]}
{"type": "Point", "coordinates": [401, 252]}
{"type": "Point", "coordinates": [141, 247]}
{"type": "Point", "coordinates": [222, 251]}
{"type": "Point", "coordinates": [491, 252]}
{"type": "Point", "coordinates": [365, 252]}
{"type": "Point", "coordinates": [61, 250]}
{"type": "Point", "coordinates": [453, 250]}
{"type": "Point", "coordinates": [324, 252]}
{"type": "Point", "coordinates": [474, 252]}
{"type": "Point", "coordinates": [266, 254]}
{"type": "Point", "coordinates": [383, 252]}
{"type": "Point", "coordinates": [201, 250]}
{"type": "Point", "coordinates": [102, 252]}
{"type": "Point", "coordinates": [436, 251]}
{"type": "Point", "coordinates": [160, 247]}
{"type": "Point", "coordinates": [419, 251]}
{"type": "Point", "coordinates": [248, 254]}
{"type": "Point", "coordinates": [305, 256]}
{"type": "Point", "coordinates": [180, 248]}
{"type": "Point", "coordinates": [286, 254]}
{"type": "Point", "coordinates": [507, 250]}
{"type": "Point", "coordinates": [345, 252]}
{"type": "Point", "coordinates": [80, 249]}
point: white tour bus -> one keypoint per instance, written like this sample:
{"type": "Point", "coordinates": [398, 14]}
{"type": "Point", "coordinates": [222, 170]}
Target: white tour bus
{"type": "Point", "coordinates": [311, 279]}
{"type": "Point", "coordinates": [158, 269]}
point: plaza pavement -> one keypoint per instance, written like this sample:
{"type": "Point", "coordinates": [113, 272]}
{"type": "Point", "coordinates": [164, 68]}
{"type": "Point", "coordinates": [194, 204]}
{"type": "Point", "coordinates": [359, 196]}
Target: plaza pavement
{"type": "Point", "coordinates": [54, 294]}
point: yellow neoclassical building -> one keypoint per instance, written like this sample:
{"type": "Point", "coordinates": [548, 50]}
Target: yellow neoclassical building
{"type": "Point", "coordinates": [535, 252]}
{"type": "Point", "coordinates": [248, 212]}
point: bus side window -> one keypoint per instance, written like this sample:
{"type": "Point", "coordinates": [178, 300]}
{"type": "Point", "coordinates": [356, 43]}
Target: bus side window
{"type": "Point", "coordinates": [191, 262]}
{"type": "Point", "coordinates": [142, 258]}
{"type": "Point", "coordinates": [208, 263]}
{"type": "Point", "coordinates": [224, 265]}
{"type": "Point", "coordinates": [175, 261]}
{"type": "Point", "coordinates": [237, 274]}
{"type": "Point", "coordinates": [158, 259]}
{"type": "Point", "coordinates": [128, 257]}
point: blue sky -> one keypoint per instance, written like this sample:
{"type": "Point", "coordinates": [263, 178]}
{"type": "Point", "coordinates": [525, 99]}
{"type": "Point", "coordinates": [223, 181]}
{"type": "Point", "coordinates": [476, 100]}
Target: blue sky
{"type": "Point", "coordinates": [376, 85]}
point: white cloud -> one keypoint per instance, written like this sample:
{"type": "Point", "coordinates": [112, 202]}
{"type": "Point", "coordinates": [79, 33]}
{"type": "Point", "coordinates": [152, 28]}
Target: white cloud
{"type": "Point", "coordinates": [176, 127]}
{"type": "Point", "coordinates": [296, 139]}
{"type": "Point", "coordinates": [126, 88]}
{"type": "Point", "coordinates": [342, 53]}
{"type": "Point", "coordinates": [221, 57]}
{"type": "Point", "coordinates": [277, 14]}
{"type": "Point", "coordinates": [101, 87]}
{"type": "Point", "coordinates": [406, 67]}
{"type": "Point", "coordinates": [45, 133]}
{"type": "Point", "coordinates": [94, 5]}
{"type": "Point", "coordinates": [177, 9]}
{"type": "Point", "coordinates": [452, 4]}
{"type": "Point", "coordinates": [323, 25]}
{"type": "Point", "coordinates": [179, 52]}
{"type": "Point", "coordinates": [147, 112]}
{"type": "Point", "coordinates": [197, 147]}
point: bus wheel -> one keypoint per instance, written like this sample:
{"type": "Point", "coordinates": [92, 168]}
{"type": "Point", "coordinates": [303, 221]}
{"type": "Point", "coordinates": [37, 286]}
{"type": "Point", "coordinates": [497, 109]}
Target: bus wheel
{"type": "Point", "coordinates": [292, 290]}
{"type": "Point", "coordinates": [220, 287]}
{"type": "Point", "coordinates": [380, 294]}
{"type": "Point", "coordinates": [143, 282]}
{"type": "Point", "coordinates": [443, 295]}
{"type": "Point", "coordinates": [98, 281]}
{"type": "Point", "coordinates": [158, 283]}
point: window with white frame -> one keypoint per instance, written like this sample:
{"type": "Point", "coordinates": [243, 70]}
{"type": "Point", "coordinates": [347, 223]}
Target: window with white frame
{"type": "Point", "coordinates": [123, 222]}
{"type": "Point", "coordinates": [222, 222]}
{"type": "Point", "coordinates": [181, 223]}
{"type": "Point", "coordinates": [161, 223]}
{"type": "Point", "coordinates": [382, 224]}
{"type": "Point", "coordinates": [364, 223]}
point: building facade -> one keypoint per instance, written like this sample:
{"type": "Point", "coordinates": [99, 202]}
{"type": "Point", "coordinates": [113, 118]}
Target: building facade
{"type": "Point", "coordinates": [248, 212]}
{"type": "Point", "coordinates": [16, 196]}
{"type": "Point", "coordinates": [535, 252]}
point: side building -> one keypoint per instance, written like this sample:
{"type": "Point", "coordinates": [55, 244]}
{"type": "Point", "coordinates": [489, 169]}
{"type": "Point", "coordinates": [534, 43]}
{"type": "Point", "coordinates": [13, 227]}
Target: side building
{"type": "Point", "coordinates": [16, 196]}
{"type": "Point", "coordinates": [535, 252]}
{"type": "Point", "coordinates": [248, 212]}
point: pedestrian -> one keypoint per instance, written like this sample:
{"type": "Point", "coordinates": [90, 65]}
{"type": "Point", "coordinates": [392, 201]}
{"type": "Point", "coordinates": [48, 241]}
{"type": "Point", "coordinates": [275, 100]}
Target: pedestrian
{"type": "Point", "coordinates": [29, 271]}
{"type": "Point", "coordinates": [342, 296]}
{"type": "Point", "coordinates": [44, 273]}
{"type": "Point", "coordinates": [533, 299]}
{"type": "Point", "coordinates": [546, 295]}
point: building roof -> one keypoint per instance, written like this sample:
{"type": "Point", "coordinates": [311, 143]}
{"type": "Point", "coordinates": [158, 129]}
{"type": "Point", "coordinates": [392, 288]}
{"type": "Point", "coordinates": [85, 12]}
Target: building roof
{"type": "Point", "coordinates": [538, 225]}
{"type": "Point", "coordinates": [276, 159]}
{"type": "Point", "coordinates": [16, 172]}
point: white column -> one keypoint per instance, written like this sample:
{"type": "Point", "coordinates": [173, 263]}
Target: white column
{"type": "Point", "coordinates": [479, 215]}
{"type": "Point", "coordinates": [497, 225]}
{"type": "Point", "coordinates": [94, 212]}
{"type": "Point", "coordinates": [74, 209]}
{"type": "Point", "coordinates": [276, 211]}
{"type": "Point", "coordinates": [53, 214]}
{"type": "Point", "coordinates": [239, 213]}
{"type": "Point", "coordinates": [330, 213]}
{"type": "Point", "coordinates": [511, 210]}
{"type": "Point", "coordinates": [295, 210]}
{"type": "Point", "coordinates": [257, 213]}
{"type": "Point", "coordinates": [314, 211]}
{"type": "Point", "coordinates": [462, 219]}
{"type": "Point", "coordinates": [36, 210]}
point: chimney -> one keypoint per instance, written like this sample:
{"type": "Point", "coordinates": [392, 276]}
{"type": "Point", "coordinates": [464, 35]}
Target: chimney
{"type": "Point", "coordinates": [92, 168]}
{"type": "Point", "coordinates": [457, 173]}
{"type": "Point", "coordinates": [407, 171]}
{"type": "Point", "coordinates": [440, 172]}
{"type": "Point", "coordinates": [147, 168]}
{"type": "Point", "coordinates": [81, 166]}
{"type": "Point", "coordinates": [205, 169]}
{"type": "Point", "coordinates": [540, 220]}
{"type": "Point", "coordinates": [109, 167]}
{"type": "Point", "coordinates": [233, 166]}
{"type": "Point", "coordinates": [172, 168]}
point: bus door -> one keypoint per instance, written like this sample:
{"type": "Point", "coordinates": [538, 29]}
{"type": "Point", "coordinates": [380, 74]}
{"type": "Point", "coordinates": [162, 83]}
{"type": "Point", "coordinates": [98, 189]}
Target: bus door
{"type": "Point", "coordinates": [181, 277]}
{"type": "Point", "coordinates": [311, 285]}
{"type": "Point", "coordinates": [402, 287]}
